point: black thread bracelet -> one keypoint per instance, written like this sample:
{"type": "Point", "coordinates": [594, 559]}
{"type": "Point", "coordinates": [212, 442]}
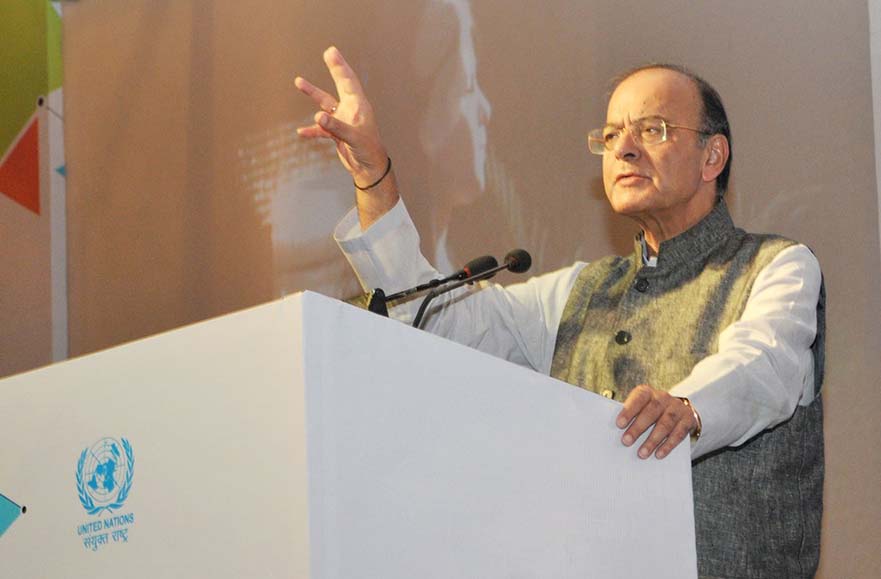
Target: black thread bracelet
{"type": "Point", "coordinates": [378, 181]}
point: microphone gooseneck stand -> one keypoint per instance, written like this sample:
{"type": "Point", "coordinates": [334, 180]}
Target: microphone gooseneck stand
{"type": "Point", "coordinates": [517, 261]}
{"type": "Point", "coordinates": [377, 300]}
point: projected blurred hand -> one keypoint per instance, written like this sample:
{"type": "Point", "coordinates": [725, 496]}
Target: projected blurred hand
{"type": "Point", "coordinates": [350, 122]}
{"type": "Point", "coordinates": [669, 418]}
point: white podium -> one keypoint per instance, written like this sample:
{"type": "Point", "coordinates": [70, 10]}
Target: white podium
{"type": "Point", "coordinates": [306, 438]}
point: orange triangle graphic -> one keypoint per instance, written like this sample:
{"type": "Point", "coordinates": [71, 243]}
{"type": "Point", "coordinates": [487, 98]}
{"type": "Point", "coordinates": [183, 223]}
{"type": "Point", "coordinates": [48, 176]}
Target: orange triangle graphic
{"type": "Point", "coordinates": [20, 170]}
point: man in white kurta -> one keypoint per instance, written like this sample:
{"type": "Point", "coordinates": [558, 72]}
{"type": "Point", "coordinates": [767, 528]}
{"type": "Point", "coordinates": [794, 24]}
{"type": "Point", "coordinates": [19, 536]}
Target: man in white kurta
{"type": "Point", "coordinates": [750, 366]}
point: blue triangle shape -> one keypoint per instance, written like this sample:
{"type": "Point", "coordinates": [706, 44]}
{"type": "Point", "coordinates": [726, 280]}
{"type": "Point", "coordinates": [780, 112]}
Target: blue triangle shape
{"type": "Point", "coordinates": [62, 170]}
{"type": "Point", "coordinates": [9, 511]}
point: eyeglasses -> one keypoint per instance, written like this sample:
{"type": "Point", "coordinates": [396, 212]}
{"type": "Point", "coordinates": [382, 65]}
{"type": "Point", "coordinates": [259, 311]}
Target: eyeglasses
{"type": "Point", "coordinates": [648, 131]}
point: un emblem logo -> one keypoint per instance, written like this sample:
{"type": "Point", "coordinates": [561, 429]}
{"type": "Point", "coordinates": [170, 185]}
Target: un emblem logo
{"type": "Point", "coordinates": [104, 475]}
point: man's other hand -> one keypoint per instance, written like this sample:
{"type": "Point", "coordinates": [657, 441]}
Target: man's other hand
{"type": "Point", "coordinates": [669, 418]}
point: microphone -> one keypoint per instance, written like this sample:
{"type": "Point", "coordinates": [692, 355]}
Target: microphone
{"type": "Point", "coordinates": [477, 267]}
{"type": "Point", "coordinates": [516, 261]}
{"type": "Point", "coordinates": [377, 300]}
{"type": "Point", "coordinates": [473, 267]}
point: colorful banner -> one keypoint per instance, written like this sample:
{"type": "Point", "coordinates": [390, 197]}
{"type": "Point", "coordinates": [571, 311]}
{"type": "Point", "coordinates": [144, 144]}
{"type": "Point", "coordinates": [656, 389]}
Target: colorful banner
{"type": "Point", "coordinates": [31, 61]}
{"type": "Point", "coordinates": [32, 176]}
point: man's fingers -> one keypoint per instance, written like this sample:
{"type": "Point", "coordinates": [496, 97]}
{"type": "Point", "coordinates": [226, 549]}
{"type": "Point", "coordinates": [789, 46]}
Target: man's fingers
{"type": "Point", "coordinates": [638, 398]}
{"type": "Point", "coordinates": [336, 128]}
{"type": "Point", "coordinates": [664, 427]}
{"type": "Point", "coordinates": [344, 77]}
{"type": "Point", "coordinates": [668, 418]}
{"type": "Point", "coordinates": [679, 434]}
{"type": "Point", "coordinates": [313, 132]}
{"type": "Point", "coordinates": [647, 416]}
{"type": "Point", "coordinates": [323, 99]}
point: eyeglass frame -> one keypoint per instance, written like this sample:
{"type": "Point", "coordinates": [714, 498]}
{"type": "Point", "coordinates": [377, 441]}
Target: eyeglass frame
{"type": "Point", "coordinates": [597, 136]}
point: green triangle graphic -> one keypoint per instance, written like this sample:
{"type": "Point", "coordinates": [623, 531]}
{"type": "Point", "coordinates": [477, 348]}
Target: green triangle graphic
{"type": "Point", "coordinates": [24, 62]}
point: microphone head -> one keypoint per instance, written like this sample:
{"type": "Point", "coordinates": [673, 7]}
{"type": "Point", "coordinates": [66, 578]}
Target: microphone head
{"type": "Point", "coordinates": [518, 260]}
{"type": "Point", "coordinates": [480, 265]}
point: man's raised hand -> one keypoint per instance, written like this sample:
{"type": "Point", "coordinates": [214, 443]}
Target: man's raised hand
{"type": "Point", "coordinates": [350, 122]}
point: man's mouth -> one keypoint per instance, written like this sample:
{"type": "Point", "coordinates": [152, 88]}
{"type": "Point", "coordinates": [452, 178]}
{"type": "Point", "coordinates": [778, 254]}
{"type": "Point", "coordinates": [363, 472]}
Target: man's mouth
{"type": "Point", "coordinates": [629, 178]}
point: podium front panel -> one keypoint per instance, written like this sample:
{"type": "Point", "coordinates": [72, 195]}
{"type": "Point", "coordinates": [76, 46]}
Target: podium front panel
{"type": "Point", "coordinates": [306, 438]}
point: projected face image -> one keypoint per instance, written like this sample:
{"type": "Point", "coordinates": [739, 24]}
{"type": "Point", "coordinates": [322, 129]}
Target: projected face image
{"type": "Point", "coordinates": [475, 110]}
{"type": "Point", "coordinates": [301, 190]}
{"type": "Point", "coordinates": [474, 107]}
{"type": "Point", "coordinates": [453, 126]}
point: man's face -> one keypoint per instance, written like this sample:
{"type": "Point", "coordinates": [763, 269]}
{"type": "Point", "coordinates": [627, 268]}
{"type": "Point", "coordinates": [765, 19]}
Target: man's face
{"type": "Point", "coordinates": [660, 182]}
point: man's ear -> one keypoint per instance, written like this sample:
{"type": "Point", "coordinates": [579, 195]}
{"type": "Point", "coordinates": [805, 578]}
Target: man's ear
{"type": "Point", "coordinates": [717, 157]}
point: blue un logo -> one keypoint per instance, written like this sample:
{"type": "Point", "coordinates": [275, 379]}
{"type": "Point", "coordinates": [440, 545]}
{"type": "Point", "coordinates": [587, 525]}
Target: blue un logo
{"type": "Point", "coordinates": [104, 474]}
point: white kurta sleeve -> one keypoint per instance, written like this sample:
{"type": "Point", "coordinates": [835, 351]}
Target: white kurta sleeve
{"type": "Point", "coordinates": [518, 323]}
{"type": "Point", "coordinates": [764, 366]}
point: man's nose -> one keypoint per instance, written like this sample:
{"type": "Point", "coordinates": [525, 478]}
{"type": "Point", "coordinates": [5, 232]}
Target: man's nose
{"type": "Point", "coordinates": [626, 146]}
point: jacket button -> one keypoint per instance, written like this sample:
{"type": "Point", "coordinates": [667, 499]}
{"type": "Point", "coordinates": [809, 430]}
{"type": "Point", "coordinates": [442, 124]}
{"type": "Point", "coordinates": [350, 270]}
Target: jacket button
{"type": "Point", "coordinates": [608, 394]}
{"type": "Point", "coordinates": [623, 337]}
{"type": "Point", "coordinates": [642, 284]}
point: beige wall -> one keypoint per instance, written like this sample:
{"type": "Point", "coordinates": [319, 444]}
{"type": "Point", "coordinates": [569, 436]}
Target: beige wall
{"type": "Point", "coordinates": [184, 182]}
